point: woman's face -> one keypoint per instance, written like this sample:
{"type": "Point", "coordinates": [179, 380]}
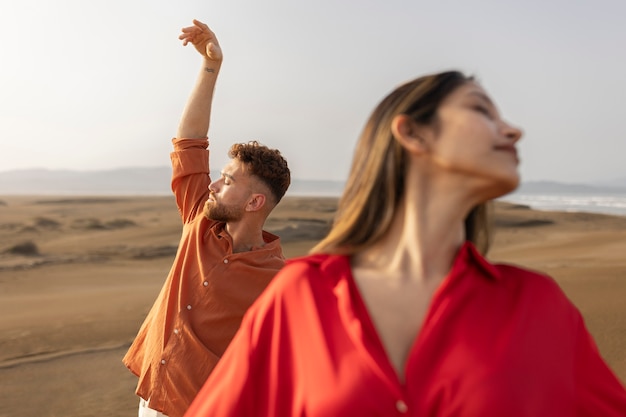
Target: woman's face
{"type": "Point", "coordinates": [470, 140]}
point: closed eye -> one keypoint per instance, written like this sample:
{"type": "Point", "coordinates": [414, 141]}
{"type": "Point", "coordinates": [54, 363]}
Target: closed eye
{"type": "Point", "coordinates": [484, 110]}
{"type": "Point", "coordinates": [481, 109]}
{"type": "Point", "coordinates": [227, 178]}
{"type": "Point", "coordinates": [483, 104]}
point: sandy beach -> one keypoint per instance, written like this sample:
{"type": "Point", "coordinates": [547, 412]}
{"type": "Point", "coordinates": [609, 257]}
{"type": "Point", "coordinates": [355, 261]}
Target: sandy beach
{"type": "Point", "coordinates": [78, 275]}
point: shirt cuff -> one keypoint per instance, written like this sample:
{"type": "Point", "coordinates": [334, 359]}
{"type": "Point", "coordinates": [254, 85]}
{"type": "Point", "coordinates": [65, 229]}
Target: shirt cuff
{"type": "Point", "coordinates": [180, 144]}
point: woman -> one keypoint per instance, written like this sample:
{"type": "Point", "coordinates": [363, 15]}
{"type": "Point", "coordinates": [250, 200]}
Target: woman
{"type": "Point", "coordinates": [396, 312]}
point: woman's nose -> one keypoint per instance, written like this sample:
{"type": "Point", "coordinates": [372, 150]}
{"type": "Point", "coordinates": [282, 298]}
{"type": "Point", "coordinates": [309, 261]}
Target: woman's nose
{"type": "Point", "coordinates": [513, 133]}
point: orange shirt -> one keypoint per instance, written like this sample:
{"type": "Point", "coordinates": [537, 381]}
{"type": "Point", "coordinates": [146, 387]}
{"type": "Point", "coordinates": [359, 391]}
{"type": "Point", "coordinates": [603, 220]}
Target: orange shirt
{"type": "Point", "coordinates": [204, 297]}
{"type": "Point", "coordinates": [497, 341]}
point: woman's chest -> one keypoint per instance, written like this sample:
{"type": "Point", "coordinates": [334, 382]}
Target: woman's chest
{"type": "Point", "coordinates": [461, 359]}
{"type": "Point", "coordinates": [443, 378]}
{"type": "Point", "coordinates": [397, 312]}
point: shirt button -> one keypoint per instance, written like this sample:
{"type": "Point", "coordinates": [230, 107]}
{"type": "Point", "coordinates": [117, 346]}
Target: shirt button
{"type": "Point", "coordinates": [189, 307]}
{"type": "Point", "coordinates": [205, 283]}
{"type": "Point", "coordinates": [162, 361]}
{"type": "Point", "coordinates": [401, 406]}
{"type": "Point", "coordinates": [175, 331]}
{"type": "Point", "coordinates": [225, 261]}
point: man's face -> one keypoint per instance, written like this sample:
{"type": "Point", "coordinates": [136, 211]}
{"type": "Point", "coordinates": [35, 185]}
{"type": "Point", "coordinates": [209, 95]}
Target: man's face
{"type": "Point", "coordinates": [229, 194]}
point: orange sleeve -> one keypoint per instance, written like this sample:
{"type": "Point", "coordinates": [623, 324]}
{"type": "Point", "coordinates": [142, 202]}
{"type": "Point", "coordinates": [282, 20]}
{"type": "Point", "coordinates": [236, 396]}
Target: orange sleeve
{"type": "Point", "coordinates": [190, 176]}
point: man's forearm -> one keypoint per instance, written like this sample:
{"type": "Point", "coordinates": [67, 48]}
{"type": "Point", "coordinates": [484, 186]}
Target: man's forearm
{"type": "Point", "coordinates": [196, 117]}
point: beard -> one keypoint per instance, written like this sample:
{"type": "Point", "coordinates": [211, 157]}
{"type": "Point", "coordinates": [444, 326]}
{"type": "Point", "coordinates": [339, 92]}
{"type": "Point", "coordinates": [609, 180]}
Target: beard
{"type": "Point", "coordinates": [222, 213]}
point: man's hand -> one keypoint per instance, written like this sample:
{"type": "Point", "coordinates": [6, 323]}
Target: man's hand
{"type": "Point", "coordinates": [203, 39]}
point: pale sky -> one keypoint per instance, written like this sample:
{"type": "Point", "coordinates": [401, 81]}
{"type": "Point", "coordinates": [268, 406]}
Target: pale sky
{"type": "Point", "coordinates": [90, 85]}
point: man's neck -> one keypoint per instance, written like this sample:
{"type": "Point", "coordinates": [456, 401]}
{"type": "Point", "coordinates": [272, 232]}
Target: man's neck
{"type": "Point", "coordinates": [245, 237]}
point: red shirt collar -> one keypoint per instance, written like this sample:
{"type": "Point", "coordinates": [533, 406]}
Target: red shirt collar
{"type": "Point", "coordinates": [467, 254]}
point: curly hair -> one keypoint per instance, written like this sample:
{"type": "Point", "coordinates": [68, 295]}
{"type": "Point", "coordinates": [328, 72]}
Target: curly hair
{"type": "Point", "coordinates": [266, 164]}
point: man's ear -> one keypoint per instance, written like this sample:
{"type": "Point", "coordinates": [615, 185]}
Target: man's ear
{"type": "Point", "coordinates": [410, 134]}
{"type": "Point", "coordinates": [256, 202]}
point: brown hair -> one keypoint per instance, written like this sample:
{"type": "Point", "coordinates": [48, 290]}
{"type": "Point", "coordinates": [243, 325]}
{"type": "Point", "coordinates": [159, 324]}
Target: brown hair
{"type": "Point", "coordinates": [375, 185]}
{"type": "Point", "coordinates": [266, 164]}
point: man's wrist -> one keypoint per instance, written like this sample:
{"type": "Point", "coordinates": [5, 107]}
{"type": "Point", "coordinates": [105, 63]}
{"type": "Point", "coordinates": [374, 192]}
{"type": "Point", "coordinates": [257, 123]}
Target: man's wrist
{"type": "Point", "coordinates": [211, 66]}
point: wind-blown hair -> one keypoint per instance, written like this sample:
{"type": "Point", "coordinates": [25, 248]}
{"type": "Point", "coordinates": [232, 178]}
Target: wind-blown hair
{"type": "Point", "coordinates": [266, 164]}
{"type": "Point", "coordinates": [376, 182]}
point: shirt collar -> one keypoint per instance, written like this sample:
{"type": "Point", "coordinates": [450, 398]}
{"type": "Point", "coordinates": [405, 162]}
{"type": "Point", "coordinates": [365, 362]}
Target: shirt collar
{"type": "Point", "coordinates": [469, 254]}
{"type": "Point", "coordinates": [271, 240]}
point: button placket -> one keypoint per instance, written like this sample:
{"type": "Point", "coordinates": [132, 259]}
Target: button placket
{"type": "Point", "coordinates": [401, 406]}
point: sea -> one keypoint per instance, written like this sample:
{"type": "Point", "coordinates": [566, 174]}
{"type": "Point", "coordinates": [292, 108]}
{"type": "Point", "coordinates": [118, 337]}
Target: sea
{"type": "Point", "coordinates": [538, 196]}
{"type": "Point", "coordinates": [603, 203]}
{"type": "Point", "coordinates": [613, 204]}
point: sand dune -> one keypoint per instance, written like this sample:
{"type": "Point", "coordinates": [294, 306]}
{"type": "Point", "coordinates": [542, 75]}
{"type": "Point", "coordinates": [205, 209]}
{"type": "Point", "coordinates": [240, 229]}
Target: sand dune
{"type": "Point", "coordinates": [78, 275]}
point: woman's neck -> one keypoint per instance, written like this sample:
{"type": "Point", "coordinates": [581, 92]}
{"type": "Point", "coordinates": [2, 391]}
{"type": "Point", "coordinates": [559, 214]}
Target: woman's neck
{"type": "Point", "coordinates": [425, 234]}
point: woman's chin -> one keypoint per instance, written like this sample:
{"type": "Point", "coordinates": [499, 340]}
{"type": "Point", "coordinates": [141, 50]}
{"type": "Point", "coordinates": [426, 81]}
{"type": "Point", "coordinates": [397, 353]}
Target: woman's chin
{"type": "Point", "coordinates": [503, 187]}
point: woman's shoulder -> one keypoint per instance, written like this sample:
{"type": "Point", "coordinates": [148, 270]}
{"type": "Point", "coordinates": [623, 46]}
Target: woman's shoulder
{"type": "Point", "coordinates": [537, 286]}
{"type": "Point", "coordinates": [307, 276]}
{"type": "Point", "coordinates": [317, 261]}
{"type": "Point", "coordinates": [515, 278]}
{"type": "Point", "coordinates": [529, 276]}
{"type": "Point", "coordinates": [303, 284]}
{"type": "Point", "coordinates": [313, 269]}
{"type": "Point", "coordinates": [513, 271]}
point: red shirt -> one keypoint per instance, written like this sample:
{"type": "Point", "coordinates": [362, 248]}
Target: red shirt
{"type": "Point", "coordinates": [497, 340]}
{"type": "Point", "coordinates": [205, 295]}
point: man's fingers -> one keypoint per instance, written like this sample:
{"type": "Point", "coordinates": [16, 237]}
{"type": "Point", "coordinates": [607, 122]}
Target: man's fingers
{"type": "Point", "coordinates": [190, 29]}
{"type": "Point", "coordinates": [197, 34]}
{"type": "Point", "coordinates": [200, 24]}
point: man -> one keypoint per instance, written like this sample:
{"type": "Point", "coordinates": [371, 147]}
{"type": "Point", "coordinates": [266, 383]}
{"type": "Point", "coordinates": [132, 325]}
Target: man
{"type": "Point", "coordinates": [225, 259]}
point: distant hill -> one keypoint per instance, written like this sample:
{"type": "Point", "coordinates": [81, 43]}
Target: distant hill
{"type": "Point", "coordinates": [156, 181]}
{"type": "Point", "coordinates": [123, 181]}
{"type": "Point", "coordinates": [616, 182]}
{"type": "Point", "coordinates": [117, 181]}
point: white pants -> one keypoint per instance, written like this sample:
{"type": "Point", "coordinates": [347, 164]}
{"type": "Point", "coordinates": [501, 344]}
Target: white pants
{"type": "Point", "coordinates": [145, 411]}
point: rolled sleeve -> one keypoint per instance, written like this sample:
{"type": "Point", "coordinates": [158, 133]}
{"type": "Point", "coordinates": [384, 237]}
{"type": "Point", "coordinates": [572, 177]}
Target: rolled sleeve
{"type": "Point", "coordinates": [190, 175]}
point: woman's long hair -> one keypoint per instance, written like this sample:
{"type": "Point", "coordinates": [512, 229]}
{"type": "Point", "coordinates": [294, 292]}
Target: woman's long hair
{"type": "Point", "coordinates": [379, 168]}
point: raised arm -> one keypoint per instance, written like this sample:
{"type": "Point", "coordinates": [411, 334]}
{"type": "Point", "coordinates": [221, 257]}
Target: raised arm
{"type": "Point", "coordinates": [194, 123]}
{"type": "Point", "coordinates": [190, 158]}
